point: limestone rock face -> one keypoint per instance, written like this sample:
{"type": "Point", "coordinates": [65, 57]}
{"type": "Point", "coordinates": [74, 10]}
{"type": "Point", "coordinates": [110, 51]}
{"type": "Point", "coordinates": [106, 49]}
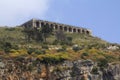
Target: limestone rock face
{"type": "Point", "coordinates": [82, 70]}
{"type": "Point", "coordinates": [68, 70]}
{"type": "Point", "coordinates": [77, 70]}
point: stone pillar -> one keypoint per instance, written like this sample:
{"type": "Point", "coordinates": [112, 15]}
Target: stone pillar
{"type": "Point", "coordinates": [33, 23]}
{"type": "Point", "coordinates": [81, 31]}
{"type": "Point", "coordinates": [71, 29]}
{"type": "Point", "coordinates": [78, 30]}
{"type": "Point", "coordinates": [67, 29]}
{"type": "Point", "coordinates": [53, 27]}
{"type": "Point", "coordinates": [58, 27]}
{"type": "Point", "coordinates": [63, 28]}
{"type": "Point", "coordinates": [40, 24]}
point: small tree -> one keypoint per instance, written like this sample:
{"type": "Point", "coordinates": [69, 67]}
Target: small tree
{"type": "Point", "coordinates": [46, 31]}
{"type": "Point", "coordinates": [29, 33]}
{"type": "Point", "coordinates": [76, 48]}
{"type": "Point", "coordinates": [69, 39]}
{"type": "Point", "coordinates": [7, 46]}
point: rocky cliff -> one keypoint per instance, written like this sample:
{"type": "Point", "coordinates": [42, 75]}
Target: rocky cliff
{"type": "Point", "coordinates": [31, 69]}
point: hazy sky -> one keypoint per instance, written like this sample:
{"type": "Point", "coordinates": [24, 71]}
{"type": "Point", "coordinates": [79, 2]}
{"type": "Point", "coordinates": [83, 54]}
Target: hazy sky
{"type": "Point", "coordinates": [101, 16]}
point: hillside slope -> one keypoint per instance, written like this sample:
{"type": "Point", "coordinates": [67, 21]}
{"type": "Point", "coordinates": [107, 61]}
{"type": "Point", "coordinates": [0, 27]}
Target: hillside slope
{"type": "Point", "coordinates": [81, 57]}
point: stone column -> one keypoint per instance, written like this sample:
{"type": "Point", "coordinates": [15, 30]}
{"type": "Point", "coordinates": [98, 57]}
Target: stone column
{"type": "Point", "coordinates": [33, 23]}
{"type": "Point", "coordinates": [81, 31]}
{"type": "Point", "coordinates": [58, 27]}
{"type": "Point", "coordinates": [77, 30]}
{"type": "Point", "coordinates": [72, 30]}
{"type": "Point", "coordinates": [53, 27]}
{"type": "Point", "coordinates": [67, 29]}
{"type": "Point", "coordinates": [40, 24]}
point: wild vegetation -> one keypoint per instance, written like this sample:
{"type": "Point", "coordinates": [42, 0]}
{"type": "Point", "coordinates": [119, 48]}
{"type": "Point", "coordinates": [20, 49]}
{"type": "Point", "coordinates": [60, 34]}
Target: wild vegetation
{"type": "Point", "coordinates": [53, 47]}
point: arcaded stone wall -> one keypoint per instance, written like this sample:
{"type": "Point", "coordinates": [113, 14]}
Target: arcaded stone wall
{"type": "Point", "coordinates": [57, 26]}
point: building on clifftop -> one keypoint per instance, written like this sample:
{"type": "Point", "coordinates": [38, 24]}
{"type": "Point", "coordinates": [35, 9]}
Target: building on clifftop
{"type": "Point", "coordinates": [56, 26]}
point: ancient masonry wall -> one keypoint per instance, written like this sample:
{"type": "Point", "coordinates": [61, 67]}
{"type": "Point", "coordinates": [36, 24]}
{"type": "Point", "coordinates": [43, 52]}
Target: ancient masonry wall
{"type": "Point", "coordinates": [56, 26]}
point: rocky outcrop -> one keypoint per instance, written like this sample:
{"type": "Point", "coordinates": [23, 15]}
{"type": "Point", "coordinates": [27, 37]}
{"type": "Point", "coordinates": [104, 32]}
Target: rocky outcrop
{"type": "Point", "coordinates": [68, 70]}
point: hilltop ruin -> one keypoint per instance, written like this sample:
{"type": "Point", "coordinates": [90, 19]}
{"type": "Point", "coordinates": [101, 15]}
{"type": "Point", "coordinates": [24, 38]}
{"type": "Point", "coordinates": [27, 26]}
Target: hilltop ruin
{"type": "Point", "coordinates": [56, 26]}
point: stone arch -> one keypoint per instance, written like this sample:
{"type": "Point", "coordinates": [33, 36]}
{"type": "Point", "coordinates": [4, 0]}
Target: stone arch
{"type": "Point", "coordinates": [42, 24]}
{"type": "Point", "coordinates": [78, 30]}
{"type": "Point", "coordinates": [37, 24]}
{"type": "Point", "coordinates": [61, 28]}
{"type": "Point", "coordinates": [74, 30]}
{"type": "Point", "coordinates": [83, 31]}
{"type": "Point", "coordinates": [56, 27]}
{"type": "Point", "coordinates": [87, 32]}
{"type": "Point", "coordinates": [52, 26]}
{"type": "Point", "coordinates": [70, 29]}
{"type": "Point", "coordinates": [65, 28]}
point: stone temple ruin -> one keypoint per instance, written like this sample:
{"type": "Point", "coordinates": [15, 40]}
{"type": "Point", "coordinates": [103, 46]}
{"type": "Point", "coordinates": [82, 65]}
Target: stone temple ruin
{"type": "Point", "coordinates": [56, 26]}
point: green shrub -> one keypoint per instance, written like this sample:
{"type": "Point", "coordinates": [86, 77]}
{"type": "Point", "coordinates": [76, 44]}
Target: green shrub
{"type": "Point", "coordinates": [30, 51]}
{"type": "Point", "coordinates": [85, 54]}
{"type": "Point", "coordinates": [7, 46]}
{"type": "Point", "coordinates": [69, 39]}
{"type": "Point", "coordinates": [63, 42]}
{"type": "Point", "coordinates": [55, 42]}
{"type": "Point", "coordinates": [40, 52]}
{"type": "Point", "coordinates": [7, 50]}
{"type": "Point", "coordinates": [45, 47]}
{"type": "Point", "coordinates": [95, 70]}
{"type": "Point", "coordinates": [76, 48]}
{"type": "Point", "coordinates": [62, 49]}
{"type": "Point", "coordinates": [10, 29]}
{"type": "Point", "coordinates": [52, 60]}
{"type": "Point", "coordinates": [110, 58]}
{"type": "Point", "coordinates": [15, 47]}
{"type": "Point", "coordinates": [102, 63]}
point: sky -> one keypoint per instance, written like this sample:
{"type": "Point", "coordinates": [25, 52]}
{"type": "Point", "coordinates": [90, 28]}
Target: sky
{"type": "Point", "coordinates": [100, 16]}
